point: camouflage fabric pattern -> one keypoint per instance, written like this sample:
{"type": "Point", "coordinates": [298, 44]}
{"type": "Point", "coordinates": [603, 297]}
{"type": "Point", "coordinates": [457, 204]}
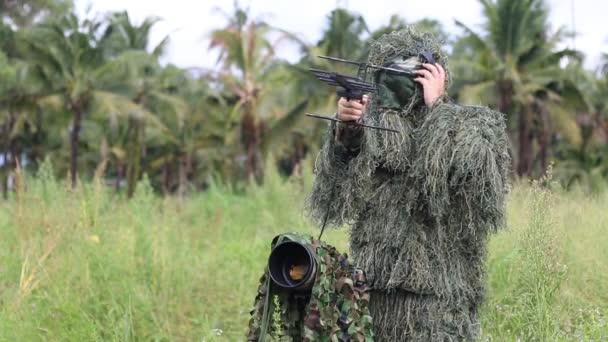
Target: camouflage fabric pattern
{"type": "Point", "coordinates": [337, 309]}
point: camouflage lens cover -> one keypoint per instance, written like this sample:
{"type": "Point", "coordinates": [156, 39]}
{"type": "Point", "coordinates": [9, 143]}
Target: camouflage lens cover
{"type": "Point", "coordinates": [337, 309]}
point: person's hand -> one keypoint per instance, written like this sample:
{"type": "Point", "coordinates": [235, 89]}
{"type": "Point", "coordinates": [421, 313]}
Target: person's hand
{"type": "Point", "coordinates": [351, 110]}
{"type": "Point", "coordinates": [432, 79]}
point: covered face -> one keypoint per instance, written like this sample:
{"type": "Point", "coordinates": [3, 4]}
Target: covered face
{"type": "Point", "coordinates": [403, 50]}
{"type": "Point", "coordinates": [395, 90]}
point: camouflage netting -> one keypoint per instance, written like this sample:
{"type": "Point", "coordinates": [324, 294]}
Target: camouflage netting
{"type": "Point", "coordinates": [337, 309]}
{"type": "Point", "coordinates": [420, 205]}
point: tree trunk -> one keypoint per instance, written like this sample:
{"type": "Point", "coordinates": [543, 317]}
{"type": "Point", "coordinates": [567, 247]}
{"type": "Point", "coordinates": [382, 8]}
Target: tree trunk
{"type": "Point", "coordinates": [190, 168]}
{"type": "Point", "coordinates": [5, 163]}
{"type": "Point", "coordinates": [11, 154]}
{"type": "Point", "coordinates": [120, 174]}
{"type": "Point", "coordinates": [5, 187]}
{"type": "Point", "coordinates": [182, 176]}
{"type": "Point", "coordinates": [544, 140]}
{"type": "Point", "coordinates": [525, 143]}
{"type": "Point", "coordinates": [37, 152]}
{"type": "Point", "coordinates": [250, 138]}
{"type": "Point", "coordinates": [505, 90]}
{"type": "Point", "coordinates": [166, 178]}
{"type": "Point", "coordinates": [5, 166]}
{"type": "Point", "coordinates": [137, 150]}
{"type": "Point", "coordinates": [505, 105]}
{"type": "Point", "coordinates": [134, 155]}
{"type": "Point", "coordinates": [75, 141]}
{"type": "Point", "coordinates": [586, 126]}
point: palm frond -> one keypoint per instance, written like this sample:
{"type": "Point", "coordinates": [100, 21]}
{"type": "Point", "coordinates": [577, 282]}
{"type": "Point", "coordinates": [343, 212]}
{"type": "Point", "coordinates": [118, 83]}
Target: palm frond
{"type": "Point", "coordinates": [282, 127]}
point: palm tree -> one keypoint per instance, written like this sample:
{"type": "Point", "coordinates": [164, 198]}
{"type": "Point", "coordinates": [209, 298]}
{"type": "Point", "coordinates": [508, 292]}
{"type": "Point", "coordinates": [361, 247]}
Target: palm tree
{"type": "Point", "coordinates": [122, 34]}
{"type": "Point", "coordinates": [247, 57]}
{"type": "Point", "coordinates": [69, 60]}
{"type": "Point", "coordinates": [19, 93]}
{"type": "Point", "coordinates": [24, 14]}
{"type": "Point", "coordinates": [343, 36]}
{"type": "Point", "coordinates": [585, 163]}
{"type": "Point", "coordinates": [7, 121]}
{"type": "Point", "coordinates": [515, 67]}
{"type": "Point", "coordinates": [175, 140]}
{"type": "Point", "coordinates": [128, 44]}
{"type": "Point", "coordinates": [584, 160]}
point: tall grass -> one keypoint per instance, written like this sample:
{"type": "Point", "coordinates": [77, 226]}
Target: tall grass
{"type": "Point", "coordinates": [88, 265]}
{"type": "Point", "coordinates": [547, 272]}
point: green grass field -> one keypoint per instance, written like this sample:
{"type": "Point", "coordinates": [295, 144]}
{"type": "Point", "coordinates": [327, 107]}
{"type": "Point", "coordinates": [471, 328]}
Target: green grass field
{"type": "Point", "coordinates": [88, 265]}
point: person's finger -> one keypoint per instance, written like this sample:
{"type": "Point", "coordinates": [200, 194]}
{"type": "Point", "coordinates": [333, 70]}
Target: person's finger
{"type": "Point", "coordinates": [364, 100]}
{"type": "Point", "coordinates": [342, 104]}
{"type": "Point", "coordinates": [353, 104]}
{"type": "Point", "coordinates": [423, 81]}
{"type": "Point", "coordinates": [351, 111]}
{"type": "Point", "coordinates": [432, 68]}
{"type": "Point", "coordinates": [441, 71]}
{"type": "Point", "coordinates": [345, 117]}
{"type": "Point", "coordinates": [357, 104]}
{"type": "Point", "coordinates": [425, 74]}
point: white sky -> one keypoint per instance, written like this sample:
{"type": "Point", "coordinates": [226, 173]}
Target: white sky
{"type": "Point", "coordinates": [189, 22]}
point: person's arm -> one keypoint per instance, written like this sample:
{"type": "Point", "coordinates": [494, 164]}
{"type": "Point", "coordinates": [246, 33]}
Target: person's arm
{"type": "Point", "coordinates": [329, 197]}
{"type": "Point", "coordinates": [348, 136]}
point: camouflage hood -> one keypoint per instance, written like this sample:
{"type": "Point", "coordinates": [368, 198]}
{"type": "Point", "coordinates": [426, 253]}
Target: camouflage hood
{"type": "Point", "coordinates": [407, 43]}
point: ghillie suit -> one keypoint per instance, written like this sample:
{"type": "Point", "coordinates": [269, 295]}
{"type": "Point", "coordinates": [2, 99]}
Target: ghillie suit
{"type": "Point", "coordinates": [335, 309]}
{"type": "Point", "coordinates": [420, 203]}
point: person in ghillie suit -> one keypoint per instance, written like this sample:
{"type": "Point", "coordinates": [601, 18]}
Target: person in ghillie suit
{"type": "Point", "coordinates": [420, 203]}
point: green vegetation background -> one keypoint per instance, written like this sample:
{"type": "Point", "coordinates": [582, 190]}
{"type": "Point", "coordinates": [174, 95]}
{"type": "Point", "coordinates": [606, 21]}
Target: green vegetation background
{"type": "Point", "coordinates": [80, 262]}
{"type": "Point", "coordinates": [86, 264]}
{"type": "Point", "coordinates": [87, 91]}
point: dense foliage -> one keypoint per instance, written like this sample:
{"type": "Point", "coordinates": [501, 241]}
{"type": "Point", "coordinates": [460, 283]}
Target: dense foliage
{"type": "Point", "coordinates": [91, 95]}
{"type": "Point", "coordinates": [86, 265]}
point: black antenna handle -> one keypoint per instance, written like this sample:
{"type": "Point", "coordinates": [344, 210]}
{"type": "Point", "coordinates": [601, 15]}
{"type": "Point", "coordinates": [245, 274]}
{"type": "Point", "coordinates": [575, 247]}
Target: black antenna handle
{"type": "Point", "coordinates": [353, 123]}
{"type": "Point", "coordinates": [353, 94]}
{"type": "Point", "coordinates": [335, 59]}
